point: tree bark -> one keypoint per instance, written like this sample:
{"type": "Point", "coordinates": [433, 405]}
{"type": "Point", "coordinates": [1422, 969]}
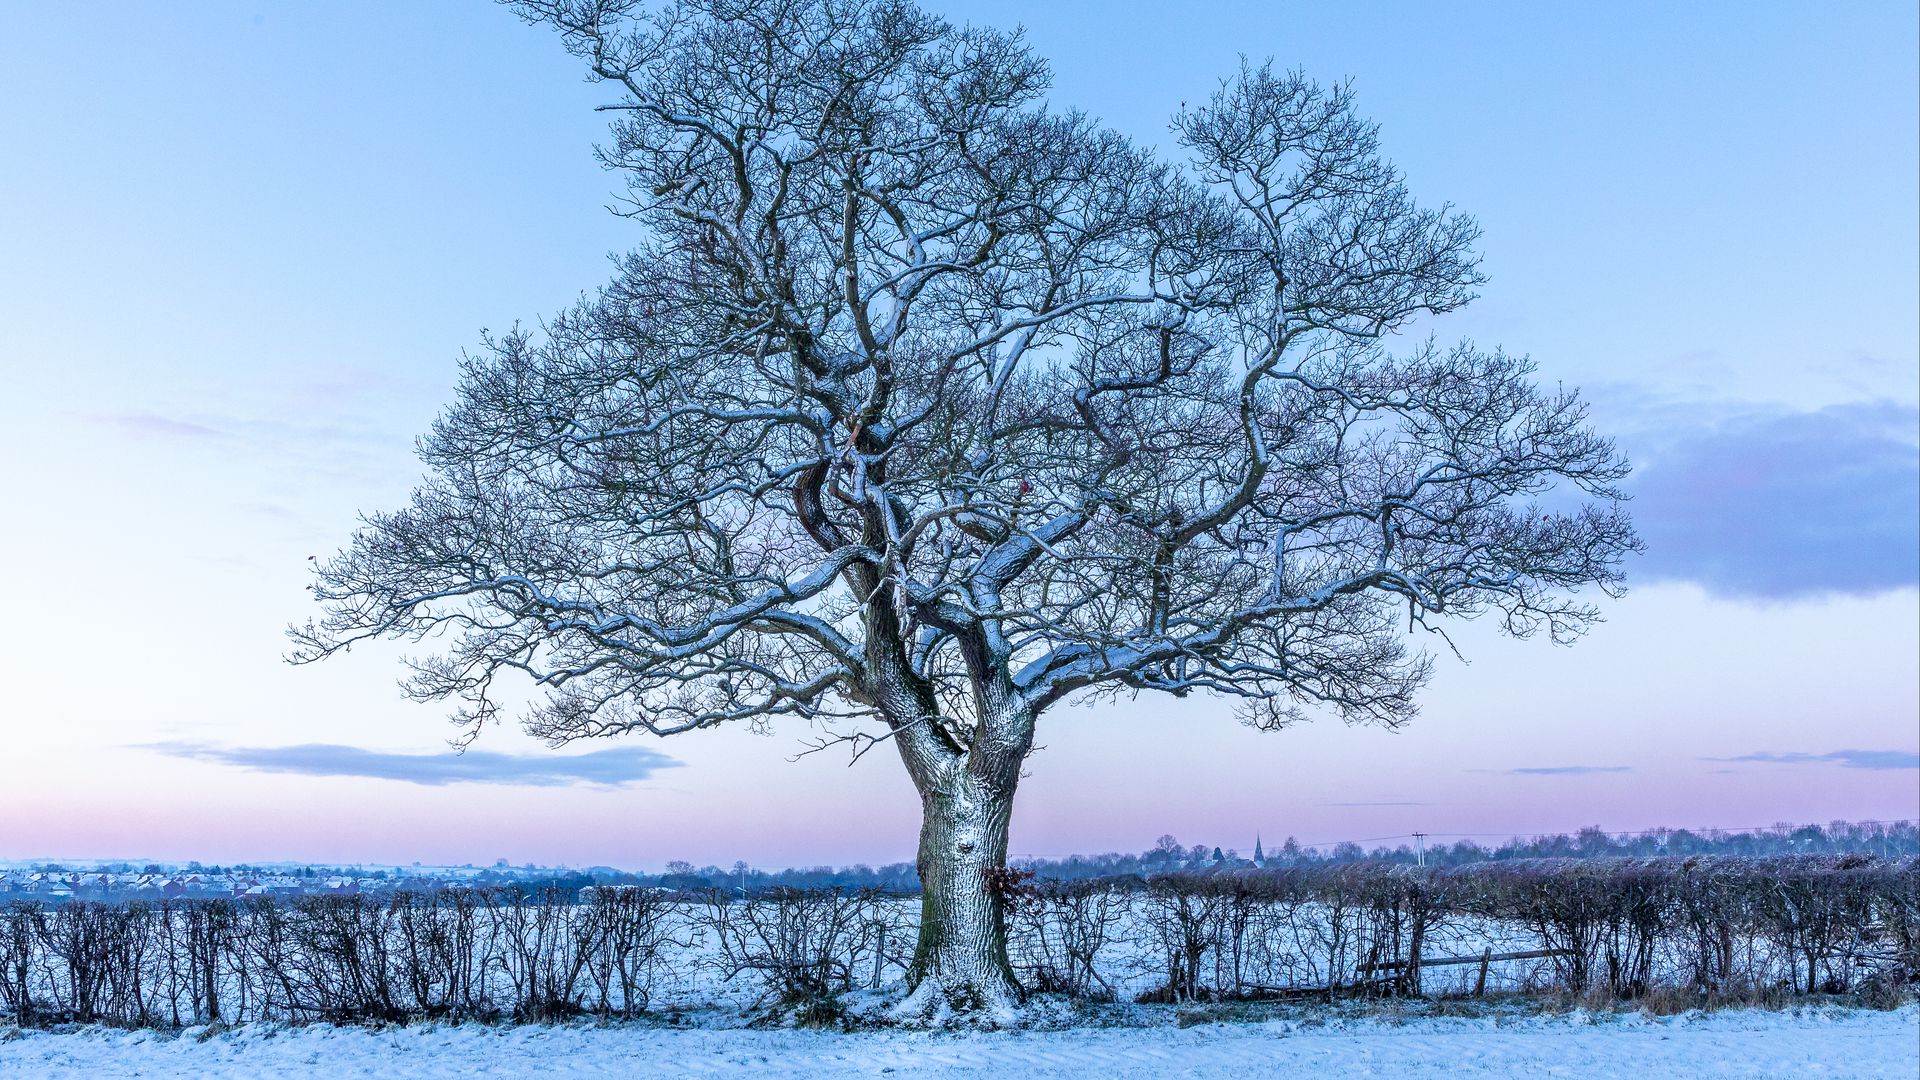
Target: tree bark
{"type": "Point", "coordinates": [960, 965]}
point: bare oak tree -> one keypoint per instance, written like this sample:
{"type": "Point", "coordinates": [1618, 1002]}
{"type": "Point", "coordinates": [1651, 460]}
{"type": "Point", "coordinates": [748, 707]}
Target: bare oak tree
{"type": "Point", "coordinates": [921, 407]}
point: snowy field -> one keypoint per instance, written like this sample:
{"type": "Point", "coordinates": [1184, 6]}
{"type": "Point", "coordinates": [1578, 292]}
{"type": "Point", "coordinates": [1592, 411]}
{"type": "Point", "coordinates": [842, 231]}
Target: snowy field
{"type": "Point", "coordinates": [1827, 1043]}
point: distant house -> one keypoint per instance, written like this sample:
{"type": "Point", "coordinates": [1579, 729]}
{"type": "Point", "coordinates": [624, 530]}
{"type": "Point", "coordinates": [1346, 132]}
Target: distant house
{"type": "Point", "coordinates": [590, 892]}
{"type": "Point", "coordinates": [284, 885]}
{"type": "Point", "coordinates": [151, 885]}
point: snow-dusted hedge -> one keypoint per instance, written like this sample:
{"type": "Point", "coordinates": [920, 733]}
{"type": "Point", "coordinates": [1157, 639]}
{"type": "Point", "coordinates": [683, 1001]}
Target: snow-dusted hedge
{"type": "Point", "coordinates": [1711, 926]}
{"type": "Point", "coordinates": [1722, 925]}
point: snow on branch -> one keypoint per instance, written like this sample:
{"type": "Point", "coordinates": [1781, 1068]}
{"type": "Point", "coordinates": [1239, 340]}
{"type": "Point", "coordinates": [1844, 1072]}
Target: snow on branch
{"type": "Point", "coordinates": [918, 403]}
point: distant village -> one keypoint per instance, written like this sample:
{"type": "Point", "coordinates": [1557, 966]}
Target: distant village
{"type": "Point", "coordinates": [119, 883]}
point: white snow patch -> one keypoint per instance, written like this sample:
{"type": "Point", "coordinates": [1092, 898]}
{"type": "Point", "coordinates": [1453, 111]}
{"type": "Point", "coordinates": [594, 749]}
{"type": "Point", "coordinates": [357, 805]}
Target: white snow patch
{"type": "Point", "coordinates": [1837, 1044]}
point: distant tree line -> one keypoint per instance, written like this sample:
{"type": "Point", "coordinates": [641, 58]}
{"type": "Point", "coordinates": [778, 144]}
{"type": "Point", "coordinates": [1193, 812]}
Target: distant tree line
{"type": "Point", "coordinates": [1887, 839]}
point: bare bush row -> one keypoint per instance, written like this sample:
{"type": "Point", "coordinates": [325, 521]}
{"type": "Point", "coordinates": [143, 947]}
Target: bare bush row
{"type": "Point", "coordinates": [1720, 926]}
{"type": "Point", "coordinates": [1710, 926]}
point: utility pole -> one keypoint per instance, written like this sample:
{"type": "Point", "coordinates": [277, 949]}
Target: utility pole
{"type": "Point", "coordinates": [1420, 847]}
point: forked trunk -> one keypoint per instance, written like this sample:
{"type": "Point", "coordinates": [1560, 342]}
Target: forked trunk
{"type": "Point", "coordinates": [960, 965]}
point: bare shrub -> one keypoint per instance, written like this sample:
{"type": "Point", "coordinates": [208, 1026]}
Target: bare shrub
{"type": "Point", "coordinates": [804, 946]}
{"type": "Point", "coordinates": [1059, 933]}
{"type": "Point", "coordinates": [19, 945]}
{"type": "Point", "coordinates": [637, 930]}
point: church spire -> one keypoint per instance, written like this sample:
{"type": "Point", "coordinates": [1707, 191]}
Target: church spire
{"type": "Point", "coordinates": [1259, 857]}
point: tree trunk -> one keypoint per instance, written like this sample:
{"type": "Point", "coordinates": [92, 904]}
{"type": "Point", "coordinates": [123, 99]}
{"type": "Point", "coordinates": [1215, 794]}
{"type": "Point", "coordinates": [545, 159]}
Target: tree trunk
{"type": "Point", "coordinates": [960, 964]}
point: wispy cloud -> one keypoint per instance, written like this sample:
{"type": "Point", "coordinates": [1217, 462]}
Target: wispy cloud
{"type": "Point", "coordinates": [1558, 770]}
{"type": "Point", "coordinates": [1846, 759]}
{"type": "Point", "coordinates": [620, 765]}
{"type": "Point", "coordinates": [154, 424]}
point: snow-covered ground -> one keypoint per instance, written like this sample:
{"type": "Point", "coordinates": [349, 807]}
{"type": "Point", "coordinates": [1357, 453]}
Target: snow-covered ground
{"type": "Point", "coordinates": [1827, 1043]}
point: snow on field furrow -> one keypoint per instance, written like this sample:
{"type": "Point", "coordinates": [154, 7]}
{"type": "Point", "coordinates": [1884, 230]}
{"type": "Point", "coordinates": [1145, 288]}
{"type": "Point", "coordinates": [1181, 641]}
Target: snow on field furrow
{"type": "Point", "coordinates": [1830, 1044]}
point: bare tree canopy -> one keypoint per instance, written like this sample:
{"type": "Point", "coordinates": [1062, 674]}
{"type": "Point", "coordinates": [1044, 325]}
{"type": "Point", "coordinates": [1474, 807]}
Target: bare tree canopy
{"type": "Point", "coordinates": [920, 406]}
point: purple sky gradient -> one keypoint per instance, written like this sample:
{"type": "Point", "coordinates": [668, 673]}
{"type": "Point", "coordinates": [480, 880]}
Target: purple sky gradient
{"type": "Point", "coordinates": [243, 245]}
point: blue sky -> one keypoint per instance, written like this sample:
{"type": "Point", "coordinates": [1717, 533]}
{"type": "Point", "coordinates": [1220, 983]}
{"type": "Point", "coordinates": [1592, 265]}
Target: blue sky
{"type": "Point", "coordinates": [243, 244]}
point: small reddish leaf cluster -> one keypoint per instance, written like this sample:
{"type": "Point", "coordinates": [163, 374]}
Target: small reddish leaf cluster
{"type": "Point", "coordinates": [1011, 884]}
